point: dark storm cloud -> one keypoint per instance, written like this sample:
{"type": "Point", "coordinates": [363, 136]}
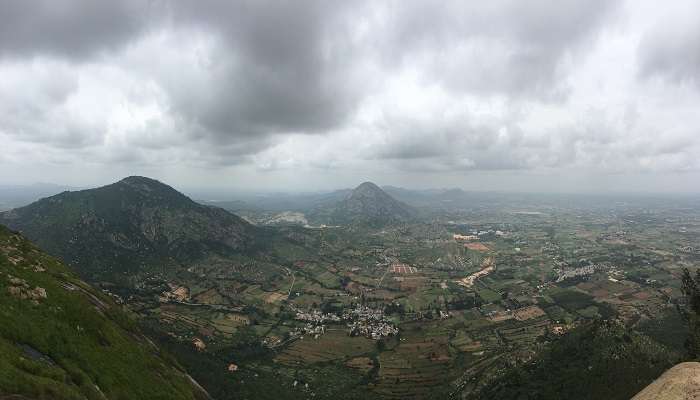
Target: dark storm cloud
{"type": "Point", "coordinates": [291, 67]}
{"type": "Point", "coordinates": [284, 67]}
{"type": "Point", "coordinates": [280, 66]}
{"type": "Point", "coordinates": [73, 28]}
{"type": "Point", "coordinates": [294, 68]}
{"type": "Point", "coordinates": [408, 85]}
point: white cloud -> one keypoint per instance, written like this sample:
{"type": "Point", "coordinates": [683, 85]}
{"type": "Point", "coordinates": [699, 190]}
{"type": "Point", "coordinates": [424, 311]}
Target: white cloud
{"type": "Point", "coordinates": [402, 90]}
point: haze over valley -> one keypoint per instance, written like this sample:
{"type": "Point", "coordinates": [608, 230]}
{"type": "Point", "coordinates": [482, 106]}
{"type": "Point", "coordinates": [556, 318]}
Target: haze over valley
{"type": "Point", "coordinates": [349, 200]}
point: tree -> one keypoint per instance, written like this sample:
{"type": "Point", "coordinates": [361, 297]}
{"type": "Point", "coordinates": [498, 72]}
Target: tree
{"type": "Point", "coordinates": [690, 311]}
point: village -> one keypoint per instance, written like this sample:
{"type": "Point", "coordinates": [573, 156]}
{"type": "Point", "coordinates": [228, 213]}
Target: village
{"type": "Point", "coordinates": [457, 295]}
{"type": "Point", "coordinates": [360, 321]}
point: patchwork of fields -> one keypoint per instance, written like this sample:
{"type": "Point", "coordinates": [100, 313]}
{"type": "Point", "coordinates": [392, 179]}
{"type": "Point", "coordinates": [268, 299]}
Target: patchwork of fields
{"type": "Point", "coordinates": [461, 312]}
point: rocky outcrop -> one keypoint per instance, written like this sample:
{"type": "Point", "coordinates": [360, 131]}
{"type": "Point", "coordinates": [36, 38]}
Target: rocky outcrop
{"type": "Point", "coordinates": [20, 289]}
{"type": "Point", "coordinates": [681, 382]}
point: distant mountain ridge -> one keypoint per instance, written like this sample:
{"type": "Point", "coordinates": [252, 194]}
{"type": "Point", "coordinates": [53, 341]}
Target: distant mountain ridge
{"type": "Point", "coordinates": [12, 196]}
{"type": "Point", "coordinates": [118, 228]}
{"type": "Point", "coordinates": [367, 204]}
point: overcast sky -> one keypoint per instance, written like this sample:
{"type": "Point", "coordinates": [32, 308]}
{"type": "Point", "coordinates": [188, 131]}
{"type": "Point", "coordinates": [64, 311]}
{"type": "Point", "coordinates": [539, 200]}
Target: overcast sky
{"type": "Point", "coordinates": [565, 95]}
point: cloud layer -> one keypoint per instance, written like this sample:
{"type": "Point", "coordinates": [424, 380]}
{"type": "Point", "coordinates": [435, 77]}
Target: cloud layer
{"type": "Point", "coordinates": [262, 92]}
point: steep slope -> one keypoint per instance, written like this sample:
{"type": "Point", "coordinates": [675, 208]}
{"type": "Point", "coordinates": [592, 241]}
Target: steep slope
{"type": "Point", "coordinates": [367, 204]}
{"type": "Point", "coordinates": [600, 360]}
{"type": "Point", "coordinates": [113, 231]}
{"type": "Point", "coordinates": [61, 339]}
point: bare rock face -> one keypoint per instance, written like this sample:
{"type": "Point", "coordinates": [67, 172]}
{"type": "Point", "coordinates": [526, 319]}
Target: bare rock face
{"type": "Point", "coordinates": [681, 382]}
{"type": "Point", "coordinates": [20, 289]}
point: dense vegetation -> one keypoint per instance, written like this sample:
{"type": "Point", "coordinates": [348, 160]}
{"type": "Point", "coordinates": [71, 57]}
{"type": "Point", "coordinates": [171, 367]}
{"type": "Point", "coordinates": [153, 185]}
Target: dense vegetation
{"type": "Point", "coordinates": [690, 310]}
{"type": "Point", "coordinates": [366, 205]}
{"type": "Point", "coordinates": [111, 232]}
{"type": "Point", "coordinates": [598, 360]}
{"type": "Point", "coordinates": [61, 339]}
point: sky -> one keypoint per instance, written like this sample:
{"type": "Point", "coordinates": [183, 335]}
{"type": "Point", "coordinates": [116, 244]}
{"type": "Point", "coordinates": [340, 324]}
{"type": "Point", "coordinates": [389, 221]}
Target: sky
{"type": "Point", "coordinates": [510, 95]}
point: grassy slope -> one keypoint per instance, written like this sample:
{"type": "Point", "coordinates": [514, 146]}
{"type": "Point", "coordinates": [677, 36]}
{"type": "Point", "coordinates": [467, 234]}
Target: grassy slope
{"type": "Point", "coordinates": [73, 344]}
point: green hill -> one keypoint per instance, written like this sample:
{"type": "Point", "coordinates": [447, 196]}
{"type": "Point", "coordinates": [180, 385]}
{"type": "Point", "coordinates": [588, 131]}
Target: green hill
{"type": "Point", "coordinates": [61, 339]}
{"type": "Point", "coordinates": [108, 233]}
{"type": "Point", "coordinates": [367, 205]}
{"type": "Point", "coordinates": [599, 360]}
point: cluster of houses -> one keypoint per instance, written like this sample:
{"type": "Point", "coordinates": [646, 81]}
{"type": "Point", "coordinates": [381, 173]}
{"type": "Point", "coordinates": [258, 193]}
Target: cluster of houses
{"type": "Point", "coordinates": [312, 329]}
{"type": "Point", "coordinates": [315, 316]}
{"type": "Point", "coordinates": [476, 235]}
{"type": "Point", "coordinates": [464, 238]}
{"type": "Point", "coordinates": [689, 249]}
{"type": "Point", "coordinates": [361, 321]}
{"type": "Point", "coordinates": [315, 321]}
{"type": "Point", "coordinates": [369, 322]}
{"type": "Point", "coordinates": [372, 329]}
{"type": "Point", "coordinates": [580, 271]}
{"type": "Point", "coordinates": [363, 313]}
